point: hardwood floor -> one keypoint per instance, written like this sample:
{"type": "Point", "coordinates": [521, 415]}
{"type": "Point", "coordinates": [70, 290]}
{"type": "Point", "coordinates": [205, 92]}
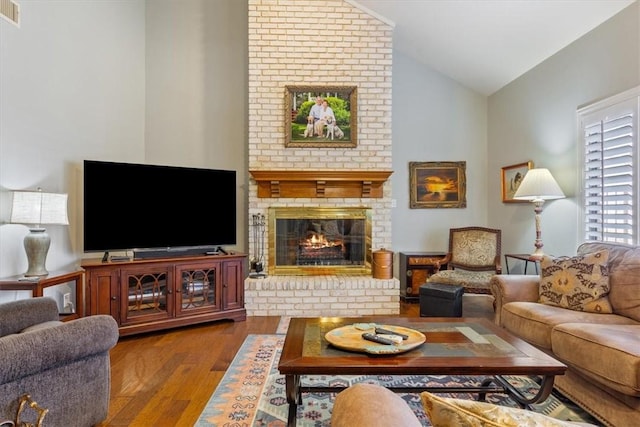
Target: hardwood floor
{"type": "Point", "coordinates": [166, 378]}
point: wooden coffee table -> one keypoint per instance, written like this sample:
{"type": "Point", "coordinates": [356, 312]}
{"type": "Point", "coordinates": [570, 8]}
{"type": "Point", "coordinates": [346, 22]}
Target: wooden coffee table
{"type": "Point", "coordinates": [454, 346]}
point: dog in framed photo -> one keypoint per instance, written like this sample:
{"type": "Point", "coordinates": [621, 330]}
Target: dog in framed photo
{"type": "Point", "coordinates": [333, 130]}
{"type": "Point", "coordinates": [308, 132]}
{"type": "Point", "coordinates": [338, 132]}
{"type": "Point", "coordinates": [330, 127]}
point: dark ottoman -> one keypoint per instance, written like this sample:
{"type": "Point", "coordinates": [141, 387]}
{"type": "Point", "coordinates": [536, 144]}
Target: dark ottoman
{"type": "Point", "coordinates": [439, 300]}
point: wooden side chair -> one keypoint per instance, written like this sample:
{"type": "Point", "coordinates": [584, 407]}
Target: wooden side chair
{"type": "Point", "coordinates": [473, 258]}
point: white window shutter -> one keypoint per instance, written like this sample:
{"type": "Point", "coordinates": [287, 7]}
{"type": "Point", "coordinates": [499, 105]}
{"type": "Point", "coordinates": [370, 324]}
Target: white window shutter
{"type": "Point", "coordinates": [610, 156]}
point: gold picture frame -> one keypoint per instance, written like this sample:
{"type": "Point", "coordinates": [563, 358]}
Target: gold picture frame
{"type": "Point", "coordinates": [437, 185]}
{"type": "Point", "coordinates": [511, 178]}
{"type": "Point", "coordinates": [342, 100]}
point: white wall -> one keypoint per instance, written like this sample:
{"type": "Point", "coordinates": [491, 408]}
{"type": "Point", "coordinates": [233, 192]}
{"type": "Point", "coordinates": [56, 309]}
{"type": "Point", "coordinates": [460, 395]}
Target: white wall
{"type": "Point", "coordinates": [534, 118]}
{"type": "Point", "coordinates": [196, 98]}
{"type": "Point", "coordinates": [72, 88]}
{"type": "Point", "coordinates": [435, 119]}
{"type": "Point", "coordinates": [134, 81]}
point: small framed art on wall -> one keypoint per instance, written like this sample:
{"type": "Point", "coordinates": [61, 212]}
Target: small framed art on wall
{"type": "Point", "coordinates": [511, 178]}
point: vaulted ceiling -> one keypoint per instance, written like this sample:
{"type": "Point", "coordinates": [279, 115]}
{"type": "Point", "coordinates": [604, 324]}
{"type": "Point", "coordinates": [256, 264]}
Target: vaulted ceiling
{"type": "Point", "coordinates": [485, 44]}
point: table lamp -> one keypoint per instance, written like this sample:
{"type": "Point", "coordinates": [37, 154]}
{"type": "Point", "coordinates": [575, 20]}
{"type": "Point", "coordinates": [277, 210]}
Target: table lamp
{"type": "Point", "coordinates": [36, 208]}
{"type": "Point", "coordinates": [538, 186]}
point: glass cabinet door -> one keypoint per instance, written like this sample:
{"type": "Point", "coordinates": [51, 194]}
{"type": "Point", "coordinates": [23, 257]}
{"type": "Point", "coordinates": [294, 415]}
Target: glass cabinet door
{"type": "Point", "coordinates": [199, 288]}
{"type": "Point", "coordinates": [148, 295]}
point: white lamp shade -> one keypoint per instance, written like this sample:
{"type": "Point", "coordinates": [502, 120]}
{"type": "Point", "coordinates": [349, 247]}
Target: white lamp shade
{"type": "Point", "coordinates": [538, 184]}
{"type": "Point", "coordinates": [36, 207]}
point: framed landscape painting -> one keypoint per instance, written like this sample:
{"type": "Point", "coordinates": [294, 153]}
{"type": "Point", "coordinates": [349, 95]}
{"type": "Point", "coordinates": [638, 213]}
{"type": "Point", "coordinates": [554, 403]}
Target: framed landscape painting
{"type": "Point", "coordinates": [321, 116]}
{"type": "Point", "coordinates": [512, 176]}
{"type": "Point", "coordinates": [437, 185]}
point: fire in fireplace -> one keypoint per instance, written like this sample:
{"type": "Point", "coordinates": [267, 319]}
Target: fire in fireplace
{"type": "Point", "coordinates": [319, 240]}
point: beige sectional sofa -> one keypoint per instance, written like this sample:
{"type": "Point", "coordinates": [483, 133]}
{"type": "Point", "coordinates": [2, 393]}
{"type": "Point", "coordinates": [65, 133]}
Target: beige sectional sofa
{"type": "Point", "coordinates": [602, 351]}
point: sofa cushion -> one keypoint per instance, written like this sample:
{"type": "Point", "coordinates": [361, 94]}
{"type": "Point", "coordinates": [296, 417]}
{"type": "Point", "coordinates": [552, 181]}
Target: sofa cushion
{"type": "Point", "coordinates": [616, 251]}
{"type": "Point", "coordinates": [43, 325]}
{"type": "Point", "coordinates": [451, 412]}
{"type": "Point", "coordinates": [533, 322]}
{"type": "Point", "coordinates": [472, 281]}
{"type": "Point", "coordinates": [607, 353]}
{"type": "Point", "coordinates": [625, 285]}
{"type": "Point", "coordinates": [578, 283]}
{"type": "Point", "coordinates": [20, 314]}
{"type": "Point", "coordinates": [372, 402]}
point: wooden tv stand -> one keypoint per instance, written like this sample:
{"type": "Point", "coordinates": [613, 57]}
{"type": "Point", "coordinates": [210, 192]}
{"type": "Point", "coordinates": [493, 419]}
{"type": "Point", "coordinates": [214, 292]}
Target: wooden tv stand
{"type": "Point", "coordinates": [152, 294]}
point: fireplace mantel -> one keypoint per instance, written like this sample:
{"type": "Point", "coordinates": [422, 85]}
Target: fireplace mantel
{"type": "Point", "coordinates": [320, 184]}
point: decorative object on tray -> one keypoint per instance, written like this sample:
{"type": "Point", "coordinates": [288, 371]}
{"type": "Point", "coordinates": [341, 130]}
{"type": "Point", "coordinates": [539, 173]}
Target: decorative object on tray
{"type": "Point", "coordinates": [375, 339]}
{"type": "Point", "coordinates": [437, 185]}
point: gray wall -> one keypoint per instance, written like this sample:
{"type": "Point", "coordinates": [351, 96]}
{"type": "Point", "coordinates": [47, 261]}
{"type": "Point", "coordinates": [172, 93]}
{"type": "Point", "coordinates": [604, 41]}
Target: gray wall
{"type": "Point", "coordinates": [435, 119]}
{"type": "Point", "coordinates": [136, 81]}
{"type": "Point", "coordinates": [71, 88]}
{"type": "Point", "coordinates": [534, 118]}
{"type": "Point", "coordinates": [196, 90]}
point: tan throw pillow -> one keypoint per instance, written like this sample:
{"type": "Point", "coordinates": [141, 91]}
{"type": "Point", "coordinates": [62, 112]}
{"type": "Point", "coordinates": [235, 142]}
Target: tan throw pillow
{"type": "Point", "coordinates": [578, 283]}
{"type": "Point", "coordinates": [371, 405]}
{"type": "Point", "coordinates": [450, 412]}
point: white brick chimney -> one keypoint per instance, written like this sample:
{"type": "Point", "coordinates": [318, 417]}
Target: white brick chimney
{"type": "Point", "coordinates": [327, 43]}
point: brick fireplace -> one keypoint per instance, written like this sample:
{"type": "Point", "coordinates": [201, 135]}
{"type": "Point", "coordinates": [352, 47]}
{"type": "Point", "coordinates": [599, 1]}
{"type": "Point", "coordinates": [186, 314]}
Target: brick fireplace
{"type": "Point", "coordinates": [311, 179]}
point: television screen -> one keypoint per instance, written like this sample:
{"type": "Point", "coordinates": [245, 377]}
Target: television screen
{"type": "Point", "coordinates": [135, 206]}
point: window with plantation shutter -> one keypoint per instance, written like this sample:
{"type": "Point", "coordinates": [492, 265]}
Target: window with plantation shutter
{"type": "Point", "coordinates": [608, 132]}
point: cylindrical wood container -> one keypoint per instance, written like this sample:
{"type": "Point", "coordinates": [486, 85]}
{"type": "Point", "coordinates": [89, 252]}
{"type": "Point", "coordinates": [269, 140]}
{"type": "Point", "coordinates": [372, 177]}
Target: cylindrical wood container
{"type": "Point", "coordinates": [382, 265]}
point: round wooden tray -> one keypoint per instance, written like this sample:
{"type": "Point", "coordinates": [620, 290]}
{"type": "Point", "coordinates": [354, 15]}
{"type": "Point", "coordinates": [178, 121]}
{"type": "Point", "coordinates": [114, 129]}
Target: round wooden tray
{"type": "Point", "coordinates": [350, 338]}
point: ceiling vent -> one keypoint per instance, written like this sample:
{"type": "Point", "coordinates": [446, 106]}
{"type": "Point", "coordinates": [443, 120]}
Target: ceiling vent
{"type": "Point", "coordinates": [10, 10]}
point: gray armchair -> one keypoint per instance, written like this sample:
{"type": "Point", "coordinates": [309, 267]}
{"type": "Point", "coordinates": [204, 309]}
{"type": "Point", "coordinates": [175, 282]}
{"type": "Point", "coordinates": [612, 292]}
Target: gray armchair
{"type": "Point", "coordinates": [63, 366]}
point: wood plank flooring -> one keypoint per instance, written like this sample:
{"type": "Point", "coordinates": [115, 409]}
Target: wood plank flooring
{"type": "Point", "coordinates": [166, 378]}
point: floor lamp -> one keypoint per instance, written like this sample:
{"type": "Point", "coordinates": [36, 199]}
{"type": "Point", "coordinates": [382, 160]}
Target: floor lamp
{"type": "Point", "coordinates": [537, 187]}
{"type": "Point", "coordinates": [35, 209]}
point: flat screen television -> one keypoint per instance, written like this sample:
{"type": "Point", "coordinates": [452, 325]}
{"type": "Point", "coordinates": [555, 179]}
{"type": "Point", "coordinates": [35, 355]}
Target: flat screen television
{"type": "Point", "coordinates": [157, 210]}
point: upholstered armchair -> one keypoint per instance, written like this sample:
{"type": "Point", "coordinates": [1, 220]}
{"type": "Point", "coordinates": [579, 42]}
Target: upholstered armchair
{"type": "Point", "coordinates": [63, 366]}
{"type": "Point", "coordinates": [472, 259]}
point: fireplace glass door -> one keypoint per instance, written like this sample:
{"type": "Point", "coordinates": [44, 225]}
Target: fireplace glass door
{"type": "Point", "coordinates": [329, 240]}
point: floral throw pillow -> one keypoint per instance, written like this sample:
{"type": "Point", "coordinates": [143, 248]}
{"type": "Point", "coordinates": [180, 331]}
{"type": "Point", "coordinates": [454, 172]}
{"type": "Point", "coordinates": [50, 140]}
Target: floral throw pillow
{"type": "Point", "coordinates": [452, 412]}
{"type": "Point", "coordinates": [578, 283]}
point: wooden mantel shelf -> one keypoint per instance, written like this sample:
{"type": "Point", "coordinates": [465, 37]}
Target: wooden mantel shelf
{"type": "Point", "coordinates": [320, 184]}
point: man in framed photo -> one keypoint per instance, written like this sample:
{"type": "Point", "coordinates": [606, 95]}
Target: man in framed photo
{"type": "Point", "coordinates": [316, 110]}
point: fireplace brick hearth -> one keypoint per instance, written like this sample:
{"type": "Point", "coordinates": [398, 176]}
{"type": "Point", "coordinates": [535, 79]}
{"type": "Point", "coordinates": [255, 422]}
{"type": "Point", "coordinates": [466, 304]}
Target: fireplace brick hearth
{"type": "Point", "coordinates": [321, 296]}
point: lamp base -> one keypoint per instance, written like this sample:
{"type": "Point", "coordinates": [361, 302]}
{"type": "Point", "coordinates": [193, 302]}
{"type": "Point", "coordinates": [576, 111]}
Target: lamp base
{"type": "Point", "coordinates": [538, 253]}
{"type": "Point", "coordinates": [36, 244]}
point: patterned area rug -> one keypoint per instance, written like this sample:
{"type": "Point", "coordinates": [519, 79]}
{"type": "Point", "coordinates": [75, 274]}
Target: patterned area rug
{"type": "Point", "coordinates": [252, 392]}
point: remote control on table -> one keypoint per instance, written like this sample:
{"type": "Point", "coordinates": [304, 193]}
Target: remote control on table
{"type": "Point", "coordinates": [388, 332]}
{"type": "Point", "coordinates": [375, 338]}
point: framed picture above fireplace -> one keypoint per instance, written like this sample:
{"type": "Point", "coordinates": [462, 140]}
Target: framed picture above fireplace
{"type": "Point", "coordinates": [321, 116]}
{"type": "Point", "coordinates": [437, 185]}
